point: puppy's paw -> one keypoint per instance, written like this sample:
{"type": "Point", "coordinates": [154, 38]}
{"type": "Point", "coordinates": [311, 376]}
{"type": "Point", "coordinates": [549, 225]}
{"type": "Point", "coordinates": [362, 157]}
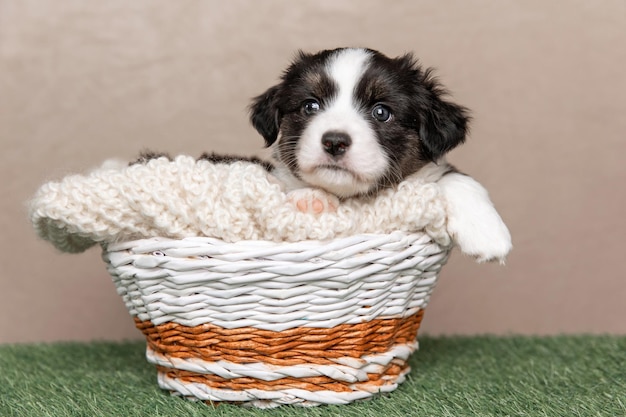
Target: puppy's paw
{"type": "Point", "coordinates": [473, 222]}
{"type": "Point", "coordinates": [314, 201]}
{"type": "Point", "coordinates": [486, 239]}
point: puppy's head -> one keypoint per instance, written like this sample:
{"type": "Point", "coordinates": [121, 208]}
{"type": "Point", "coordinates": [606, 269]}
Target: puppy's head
{"type": "Point", "coordinates": [353, 121]}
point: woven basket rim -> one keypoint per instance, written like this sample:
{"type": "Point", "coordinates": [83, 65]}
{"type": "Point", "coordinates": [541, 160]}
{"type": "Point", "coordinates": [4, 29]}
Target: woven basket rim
{"type": "Point", "coordinates": [129, 243]}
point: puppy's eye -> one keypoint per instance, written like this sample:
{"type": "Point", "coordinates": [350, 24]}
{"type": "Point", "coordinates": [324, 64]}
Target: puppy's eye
{"type": "Point", "coordinates": [381, 113]}
{"type": "Point", "coordinates": [310, 107]}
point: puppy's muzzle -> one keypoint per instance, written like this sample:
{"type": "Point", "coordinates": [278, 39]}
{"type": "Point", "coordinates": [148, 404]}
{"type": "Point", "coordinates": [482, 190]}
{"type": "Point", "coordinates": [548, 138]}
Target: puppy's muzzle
{"type": "Point", "coordinates": [336, 143]}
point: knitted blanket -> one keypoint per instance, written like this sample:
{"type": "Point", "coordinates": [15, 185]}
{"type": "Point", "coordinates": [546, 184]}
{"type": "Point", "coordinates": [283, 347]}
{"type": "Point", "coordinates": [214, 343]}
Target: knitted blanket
{"type": "Point", "coordinates": [237, 201]}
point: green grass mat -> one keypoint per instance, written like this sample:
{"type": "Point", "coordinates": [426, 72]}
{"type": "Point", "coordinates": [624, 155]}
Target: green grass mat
{"type": "Point", "coordinates": [465, 376]}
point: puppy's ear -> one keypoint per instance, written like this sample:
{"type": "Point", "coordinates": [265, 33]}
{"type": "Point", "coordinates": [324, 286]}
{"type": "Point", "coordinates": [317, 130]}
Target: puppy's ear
{"type": "Point", "coordinates": [443, 126]}
{"type": "Point", "coordinates": [265, 114]}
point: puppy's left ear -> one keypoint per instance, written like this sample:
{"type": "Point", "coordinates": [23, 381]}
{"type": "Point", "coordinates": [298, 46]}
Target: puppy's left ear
{"type": "Point", "coordinates": [265, 115]}
{"type": "Point", "coordinates": [443, 126]}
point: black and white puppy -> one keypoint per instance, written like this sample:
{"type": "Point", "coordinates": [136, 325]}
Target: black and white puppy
{"type": "Point", "coordinates": [349, 122]}
{"type": "Point", "coordinates": [352, 121]}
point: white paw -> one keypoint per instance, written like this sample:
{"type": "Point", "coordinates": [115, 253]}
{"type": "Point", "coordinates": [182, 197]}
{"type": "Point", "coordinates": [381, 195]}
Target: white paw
{"type": "Point", "coordinates": [312, 200]}
{"type": "Point", "coordinates": [473, 222]}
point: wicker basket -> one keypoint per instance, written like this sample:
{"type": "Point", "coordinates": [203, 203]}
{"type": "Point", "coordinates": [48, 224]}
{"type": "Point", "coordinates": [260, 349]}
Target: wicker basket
{"type": "Point", "coordinates": [265, 323]}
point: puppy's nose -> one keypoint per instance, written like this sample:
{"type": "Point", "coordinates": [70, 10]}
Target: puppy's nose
{"type": "Point", "coordinates": [336, 143]}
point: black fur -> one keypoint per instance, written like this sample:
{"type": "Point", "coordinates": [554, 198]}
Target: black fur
{"type": "Point", "coordinates": [229, 159]}
{"type": "Point", "coordinates": [146, 156]}
{"type": "Point", "coordinates": [266, 116]}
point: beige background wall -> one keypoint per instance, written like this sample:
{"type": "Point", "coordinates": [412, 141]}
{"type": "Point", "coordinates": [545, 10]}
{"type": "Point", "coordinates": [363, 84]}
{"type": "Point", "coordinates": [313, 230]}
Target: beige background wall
{"type": "Point", "coordinates": [81, 82]}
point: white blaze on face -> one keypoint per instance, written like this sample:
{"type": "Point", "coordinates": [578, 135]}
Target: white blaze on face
{"type": "Point", "coordinates": [364, 161]}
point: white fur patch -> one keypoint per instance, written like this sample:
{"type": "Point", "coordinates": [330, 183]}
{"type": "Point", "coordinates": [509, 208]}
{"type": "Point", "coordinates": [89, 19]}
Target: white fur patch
{"type": "Point", "coordinates": [365, 161]}
{"type": "Point", "coordinates": [473, 222]}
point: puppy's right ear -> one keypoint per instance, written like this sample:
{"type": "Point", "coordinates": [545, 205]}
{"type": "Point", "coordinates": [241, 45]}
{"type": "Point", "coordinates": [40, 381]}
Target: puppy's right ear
{"type": "Point", "coordinates": [265, 114]}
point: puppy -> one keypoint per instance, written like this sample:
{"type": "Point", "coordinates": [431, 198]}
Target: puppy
{"type": "Point", "coordinates": [349, 122]}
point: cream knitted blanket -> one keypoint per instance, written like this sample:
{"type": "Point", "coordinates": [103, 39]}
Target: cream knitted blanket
{"type": "Point", "coordinates": [185, 197]}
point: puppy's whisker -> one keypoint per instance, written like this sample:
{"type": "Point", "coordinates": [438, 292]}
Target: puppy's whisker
{"type": "Point", "coordinates": [393, 175]}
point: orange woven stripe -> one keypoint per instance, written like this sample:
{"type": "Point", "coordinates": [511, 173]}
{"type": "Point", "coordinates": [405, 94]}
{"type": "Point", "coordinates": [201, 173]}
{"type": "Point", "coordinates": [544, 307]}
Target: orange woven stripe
{"type": "Point", "coordinates": [289, 347]}
{"type": "Point", "coordinates": [319, 383]}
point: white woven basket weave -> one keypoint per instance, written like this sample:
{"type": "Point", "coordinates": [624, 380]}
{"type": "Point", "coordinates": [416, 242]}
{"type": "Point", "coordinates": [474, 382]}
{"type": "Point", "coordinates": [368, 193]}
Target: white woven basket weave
{"type": "Point", "coordinates": [264, 323]}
